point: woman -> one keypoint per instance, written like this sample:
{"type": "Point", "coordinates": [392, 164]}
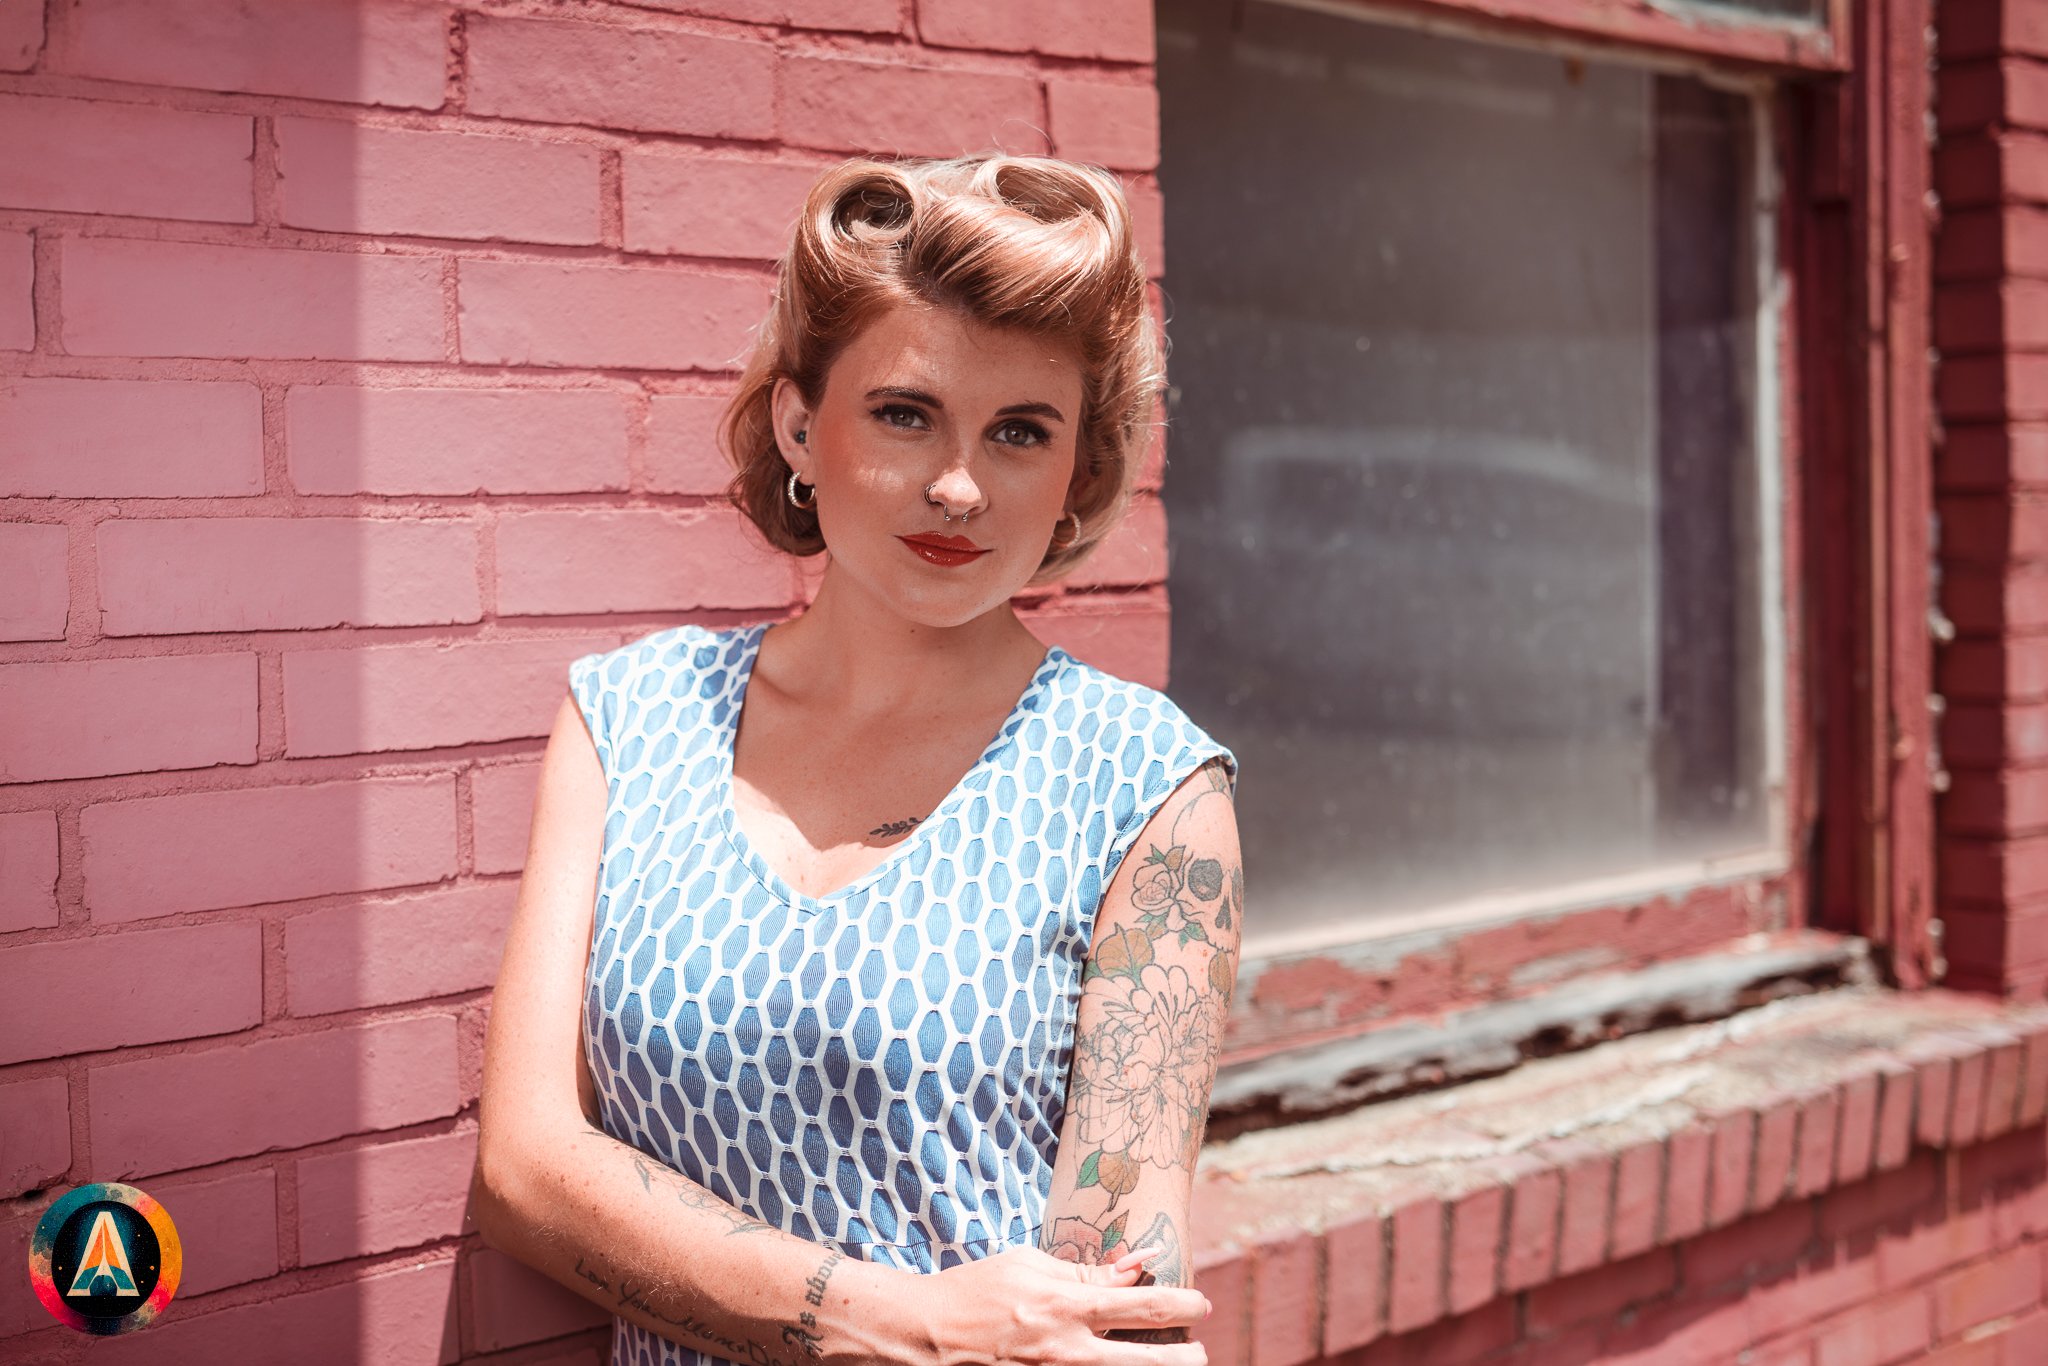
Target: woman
{"type": "Point", "coordinates": [865, 994]}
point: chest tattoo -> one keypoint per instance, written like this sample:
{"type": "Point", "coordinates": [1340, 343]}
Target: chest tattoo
{"type": "Point", "coordinates": [896, 827]}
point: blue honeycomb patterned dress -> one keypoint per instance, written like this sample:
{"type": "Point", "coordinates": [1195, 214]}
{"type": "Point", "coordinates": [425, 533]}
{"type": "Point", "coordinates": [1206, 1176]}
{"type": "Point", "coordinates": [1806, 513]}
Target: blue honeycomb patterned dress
{"type": "Point", "coordinates": [882, 1070]}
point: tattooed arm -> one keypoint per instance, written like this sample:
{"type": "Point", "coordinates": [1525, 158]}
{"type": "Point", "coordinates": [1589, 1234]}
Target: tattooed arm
{"type": "Point", "coordinates": [1154, 998]}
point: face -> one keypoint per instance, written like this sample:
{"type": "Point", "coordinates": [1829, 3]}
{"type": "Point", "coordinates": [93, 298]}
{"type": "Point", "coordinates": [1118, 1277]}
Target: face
{"type": "Point", "coordinates": [986, 418]}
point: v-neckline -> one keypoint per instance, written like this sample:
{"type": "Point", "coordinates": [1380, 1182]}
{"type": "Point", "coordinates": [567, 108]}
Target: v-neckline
{"type": "Point", "coordinates": [728, 811]}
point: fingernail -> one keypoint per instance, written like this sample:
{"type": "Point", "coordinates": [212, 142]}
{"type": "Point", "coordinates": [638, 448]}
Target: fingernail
{"type": "Point", "coordinates": [1207, 1308]}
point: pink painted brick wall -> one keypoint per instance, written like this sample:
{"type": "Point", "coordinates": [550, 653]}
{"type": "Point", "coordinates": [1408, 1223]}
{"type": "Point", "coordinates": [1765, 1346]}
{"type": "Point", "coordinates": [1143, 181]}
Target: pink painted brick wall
{"type": "Point", "coordinates": [359, 361]}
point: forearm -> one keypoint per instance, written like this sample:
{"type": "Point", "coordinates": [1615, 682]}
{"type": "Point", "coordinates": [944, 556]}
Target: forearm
{"type": "Point", "coordinates": [646, 1243]}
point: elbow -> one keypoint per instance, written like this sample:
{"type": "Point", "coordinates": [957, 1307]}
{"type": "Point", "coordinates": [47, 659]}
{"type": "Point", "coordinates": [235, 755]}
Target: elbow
{"type": "Point", "coordinates": [495, 1185]}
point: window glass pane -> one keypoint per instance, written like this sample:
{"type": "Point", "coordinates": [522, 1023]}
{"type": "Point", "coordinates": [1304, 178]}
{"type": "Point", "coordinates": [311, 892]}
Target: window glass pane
{"type": "Point", "coordinates": [1461, 487]}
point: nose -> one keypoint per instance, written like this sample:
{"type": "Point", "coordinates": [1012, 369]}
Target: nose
{"type": "Point", "coordinates": [955, 489]}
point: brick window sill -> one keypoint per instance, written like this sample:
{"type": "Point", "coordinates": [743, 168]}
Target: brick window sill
{"type": "Point", "coordinates": [1323, 1236]}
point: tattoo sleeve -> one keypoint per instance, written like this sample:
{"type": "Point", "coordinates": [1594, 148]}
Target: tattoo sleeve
{"type": "Point", "coordinates": [1155, 995]}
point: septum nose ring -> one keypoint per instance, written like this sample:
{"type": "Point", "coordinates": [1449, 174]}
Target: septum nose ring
{"type": "Point", "coordinates": [944, 510]}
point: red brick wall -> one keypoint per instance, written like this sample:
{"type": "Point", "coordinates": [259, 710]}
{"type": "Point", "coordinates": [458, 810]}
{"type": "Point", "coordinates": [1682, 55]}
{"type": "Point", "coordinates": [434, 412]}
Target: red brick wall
{"type": "Point", "coordinates": [1991, 271]}
{"type": "Point", "coordinates": [360, 364]}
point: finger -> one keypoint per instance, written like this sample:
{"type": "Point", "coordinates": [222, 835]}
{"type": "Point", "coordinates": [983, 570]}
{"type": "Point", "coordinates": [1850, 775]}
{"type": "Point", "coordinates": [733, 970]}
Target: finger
{"type": "Point", "coordinates": [1139, 1254]}
{"type": "Point", "coordinates": [1157, 1306]}
{"type": "Point", "coordinates": [1115, 1353]}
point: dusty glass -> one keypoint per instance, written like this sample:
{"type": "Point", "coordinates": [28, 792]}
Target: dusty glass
{"type": "Point", "coordinates": [1467, 560]}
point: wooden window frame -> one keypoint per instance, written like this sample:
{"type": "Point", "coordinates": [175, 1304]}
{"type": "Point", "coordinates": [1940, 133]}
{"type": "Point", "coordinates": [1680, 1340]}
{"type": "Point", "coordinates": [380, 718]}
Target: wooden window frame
{"type": "Point", "coordinates": [1852, 236]}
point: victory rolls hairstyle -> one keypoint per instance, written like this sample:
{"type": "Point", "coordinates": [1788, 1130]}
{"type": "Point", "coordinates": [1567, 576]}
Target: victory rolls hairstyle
{"type": "Point", "coordinates": [1018, 242]}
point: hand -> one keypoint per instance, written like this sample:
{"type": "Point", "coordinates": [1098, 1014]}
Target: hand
{"type": "Point", "coordinates": [1025, 1307]}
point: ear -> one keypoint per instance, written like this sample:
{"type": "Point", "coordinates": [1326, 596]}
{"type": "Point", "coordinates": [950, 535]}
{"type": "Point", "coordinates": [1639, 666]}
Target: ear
{"type": "Point", "coordinates": [792, 415]}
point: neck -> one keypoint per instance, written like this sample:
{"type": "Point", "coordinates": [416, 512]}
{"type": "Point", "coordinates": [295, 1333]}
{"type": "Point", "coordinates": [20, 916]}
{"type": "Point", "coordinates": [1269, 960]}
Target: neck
{"type": "Point", "coordinates": [853, 653]}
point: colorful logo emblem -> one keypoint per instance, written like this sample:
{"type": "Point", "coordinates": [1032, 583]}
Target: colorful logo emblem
{"type": "Point", "coordinates": [105, 1259]}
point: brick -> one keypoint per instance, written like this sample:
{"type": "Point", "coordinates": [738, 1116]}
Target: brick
{"type": "Point", "coordinates": [344, 439]}
{"type": "Point", "coordinates": [683, 454]}
{"type": "Point", "coordinates": [1115, 30]}
{"type": "Point", "coordinates": [1690, 1154]}
{"type": "Point", "coordinates": [1588, 1173]}
{"type": "Point", "coordinates": [198, 851]}
{"type": "Point", "coordinates": [1890, 1199]}
{"type": "Point", "coordinates": [1994, 1170]}
{"type": "Point", "coordinates": [1813, 1166]}
{"type": "Point", "coordinates": [1895, 1113]}
{"type": "Point", "coordinates": [1892, 1330]}
{"type": "Point", "coordinates": [127, 298]}
{"type": "Point", "coordinates": [1638, 1196]}
{"type": "Point", "coordinates": [633, 317]}
{"type": "Point", "coordinates": [17, 291]}
{"type": "Point", "coordinates": [153, 1006]}
{"type": "Point", "coordinates": [2033, 1102]}
{"type": "Point", "coordinates": [1857, 1146]}
{"type": "Point", "coordinates": [1765, 1245]}
{"type": "Point", "coordinates": [1785, 1304]}
{"type": "Point", "coordinates": [854, 106]}
{"type": "Point", "coordinates": [227, 1227]}
{"type": "Point", "coordinates": [366, 953]}
{"type": "Point", "coordinates": [1966, 1112]}
{"type": "Point", "coordinates": [343, 177]}
{"type": "Point", "coordinates": [1532, 1229]}
{"type": "Point", "coordinates": [372, 1199]}
{"type": "Point", "coordinates": [284, 573]}
{"type": "Point", "coordinates": [645, 80]}
{"type": "Point", "coordinates": [89, 718]}
{"type": "Point", "coordinates": [190, 1109]}
{"type": "Point", "coordinates": [116, 438]}
{"type": "Point", "coordinates": [514, 1304]}
{"type": "Point", "coordinates": [696, 205]}
{"type": "Point", "coordinates": [1354, 1283]}
{"type": "Point", "coordinates": [1945, 1240]}
{"type": "Point", "coordinates": [403, 1314]}
{"type": "Point", "coordinates": [1601, 1294]}
{"type": "Point", "coordinates": [1286, 1316]}
{"type": "Point", "coordinates": [635, 561]}
{"type": "Point", "coordinates": [1105, 125]}
{"type": "Point", "coordinates": [1415, 1281]}
{"type": "Point", "coordinates": [1477, 1225]}
{"type": "Point", "coordinates": [501, 815]}
{"type": "Point", "coordinates": [2008, 1284]}
{"type": "Point", "coordinates": [21, 34]}
{"type": "Point", "coordinates": [1777, 1153]}
{"type": "Point", "coordinates": [1224, 1275]}
{"type": "Point", "coordinates": [35, 1134]}
{"type": "Point", "coordinates": [391, 52]}
{"type": "Point", "coordinates": [861, 16]}
{"type": "Point", "coordinates": [90, 156]}
{"type": "Point", "coordinates": [2002, 1085]}
{"type": "Point", "coordinates": [32, 565]}
{"type": "Point", "coordinates": [28, 870]}
{"type": "Point", "coordinates": [425, 696]}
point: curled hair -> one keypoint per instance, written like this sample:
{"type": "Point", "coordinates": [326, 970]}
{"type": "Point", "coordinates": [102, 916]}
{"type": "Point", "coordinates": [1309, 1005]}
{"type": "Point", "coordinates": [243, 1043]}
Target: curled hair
{"type": "Point", "coordinates": [1019, 242]}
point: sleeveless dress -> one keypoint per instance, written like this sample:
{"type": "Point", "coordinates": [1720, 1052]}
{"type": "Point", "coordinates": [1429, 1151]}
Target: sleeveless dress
{"type": "Point", "coordinates": [882, 1070]}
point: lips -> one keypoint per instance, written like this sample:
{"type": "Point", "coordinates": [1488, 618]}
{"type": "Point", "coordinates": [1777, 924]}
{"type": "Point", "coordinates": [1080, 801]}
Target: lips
{"type": "Point", "coordinates": [944, 550]}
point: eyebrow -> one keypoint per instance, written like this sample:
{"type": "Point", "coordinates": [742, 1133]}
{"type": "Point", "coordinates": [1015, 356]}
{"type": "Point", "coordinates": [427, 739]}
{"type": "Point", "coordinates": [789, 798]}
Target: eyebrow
{"type": "Point", "coordinates": [920, 396]}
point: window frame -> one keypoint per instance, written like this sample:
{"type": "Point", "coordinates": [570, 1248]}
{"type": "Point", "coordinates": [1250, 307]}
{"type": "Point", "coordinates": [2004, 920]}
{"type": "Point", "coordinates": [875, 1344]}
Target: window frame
{"type": "Point", "coordinates": [1845, 493]}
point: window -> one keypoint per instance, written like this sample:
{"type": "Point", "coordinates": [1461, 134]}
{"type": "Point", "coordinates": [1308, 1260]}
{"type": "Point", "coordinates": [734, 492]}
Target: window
{"type": "Point", "coordinates": [1472, 489]}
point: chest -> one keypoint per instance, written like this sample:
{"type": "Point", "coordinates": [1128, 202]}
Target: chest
{"type": "Point", "coordinates": [825, 807]}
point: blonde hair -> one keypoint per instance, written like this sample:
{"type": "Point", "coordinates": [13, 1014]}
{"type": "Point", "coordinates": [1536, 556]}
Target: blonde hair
{"type": "Point", "coordinates": [1026, 242]}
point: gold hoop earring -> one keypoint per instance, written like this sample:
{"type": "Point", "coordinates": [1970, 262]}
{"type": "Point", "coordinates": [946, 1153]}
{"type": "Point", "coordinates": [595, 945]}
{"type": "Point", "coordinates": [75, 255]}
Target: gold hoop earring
{"type": "Point", "coordinates": [800, 504]}
{"type": "Point", "coordinates": [1062, 543]}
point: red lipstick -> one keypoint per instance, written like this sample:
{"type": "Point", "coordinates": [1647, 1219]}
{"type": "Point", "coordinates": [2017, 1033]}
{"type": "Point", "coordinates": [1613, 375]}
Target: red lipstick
{"type": "Point", "coordinates": [943, 550]}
